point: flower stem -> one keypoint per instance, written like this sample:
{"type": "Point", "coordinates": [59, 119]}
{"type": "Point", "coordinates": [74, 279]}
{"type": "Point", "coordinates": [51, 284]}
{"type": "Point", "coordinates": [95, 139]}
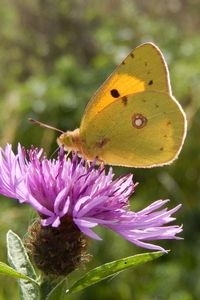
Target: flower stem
{"type": "Point", "coordinates": [55, 286]}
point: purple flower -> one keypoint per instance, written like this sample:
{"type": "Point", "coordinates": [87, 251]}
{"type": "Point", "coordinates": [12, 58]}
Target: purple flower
{"type": "Point", "coordinates": [64, 187]}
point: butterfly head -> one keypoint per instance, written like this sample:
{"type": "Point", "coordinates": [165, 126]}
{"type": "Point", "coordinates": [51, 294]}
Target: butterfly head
{"type": "Point", "coordinates": [70, 140]}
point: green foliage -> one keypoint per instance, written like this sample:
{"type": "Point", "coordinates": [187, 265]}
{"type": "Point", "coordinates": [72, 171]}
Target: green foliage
{"type": "Point", "coordinates": [7, 270]}
{"type": "Point", "coordinates": [50, 288]}
{"type": "Point", "coordinates": [53, 56]}
{"type": "Point", "coordinates": [19, 260]}
{"type": "Point", "coordinates": [112, 269]}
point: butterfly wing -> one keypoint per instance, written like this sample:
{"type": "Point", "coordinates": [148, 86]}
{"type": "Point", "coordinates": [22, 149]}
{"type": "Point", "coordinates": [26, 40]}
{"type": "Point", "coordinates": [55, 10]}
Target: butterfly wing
{"type": "Point", "coordinates": [144, 69]}
{"type": "Point", "coordinates": [145, 130]}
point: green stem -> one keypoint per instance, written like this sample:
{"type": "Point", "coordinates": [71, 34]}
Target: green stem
{"type": "Point", "coordinates": [49, 284]}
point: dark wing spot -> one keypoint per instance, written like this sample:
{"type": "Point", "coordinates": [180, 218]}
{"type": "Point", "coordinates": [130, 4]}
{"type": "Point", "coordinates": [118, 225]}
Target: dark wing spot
{"type": "Point", "coordinates": [123, 63]}
{"type": "Point", "coordinates": [145, 64]}
{"type": "Point", "coordinates": [132, 55]}
{"type": "Point", "coordinates": [169, 123]}
{"type": "Point", "coordinates": [115, 93]}
{"type": "Point", "coordinates": [150, 82]}
{"type": "Point", "coordinates": [161, 148]}
{"type": "Point", "coordinates": [125, 100]}
{"type": "Point", "coordinates": [156, 105]}
{"type": "Point", "coordinates": [102, 142]}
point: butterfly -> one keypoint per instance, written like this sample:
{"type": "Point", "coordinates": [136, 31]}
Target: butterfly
{"type": "Point", "coordinates": [132, 120]}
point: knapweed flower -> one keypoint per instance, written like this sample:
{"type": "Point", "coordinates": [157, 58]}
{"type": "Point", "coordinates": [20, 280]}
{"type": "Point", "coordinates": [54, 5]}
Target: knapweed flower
{"type": "Point", "coordinates": [72, 197]}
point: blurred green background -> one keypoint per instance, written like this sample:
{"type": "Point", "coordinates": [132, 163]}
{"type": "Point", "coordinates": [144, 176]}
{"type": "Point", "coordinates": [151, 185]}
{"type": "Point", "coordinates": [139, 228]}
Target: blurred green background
{"type": "Point", "coordinates": [53, 57]}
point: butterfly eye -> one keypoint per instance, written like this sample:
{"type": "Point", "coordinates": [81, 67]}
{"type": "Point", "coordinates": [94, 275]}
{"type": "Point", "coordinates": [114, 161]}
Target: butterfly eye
{"type": "Point", "coordinates": [139, 121]}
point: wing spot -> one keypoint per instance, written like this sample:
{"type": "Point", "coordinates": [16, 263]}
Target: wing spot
{"type": "Point", "coordinates": [150, 82]}
{"type": "Point", "coordinates": [139, 121]}
{"type": "Point", "coordinates": [156, 105]}
{"type": "Point", "coordinates": [145, 64]}
{"type": "Point", "coordinates": [169, 123]}
{"type": "Point", "coordinates": [132, 55]}
{"type": "Point", "coordinates": [102, 142]}
{"type": "Point", "coordinates": [125, 100]}
{"type": "Point", "coordinates": [161, 148]}
{"type": "Point", "coordinates": [115, 93]}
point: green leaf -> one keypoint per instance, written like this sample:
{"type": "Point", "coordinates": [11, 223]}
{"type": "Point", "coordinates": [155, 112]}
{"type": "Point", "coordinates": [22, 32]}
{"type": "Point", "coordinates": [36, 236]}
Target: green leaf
{"type": "Point", "coordinates": [112, 268]}
{"type": "Point", "coordinates": [18, 259]}
{"type": "Point", "coordinates": [7, 270]}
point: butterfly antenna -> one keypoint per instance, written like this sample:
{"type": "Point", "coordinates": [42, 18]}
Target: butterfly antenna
{"type": "Point", "coordinates": [44, 125]}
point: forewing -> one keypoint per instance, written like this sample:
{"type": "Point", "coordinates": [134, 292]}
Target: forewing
{"type": "Point", "coordinates": [144, 69]}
